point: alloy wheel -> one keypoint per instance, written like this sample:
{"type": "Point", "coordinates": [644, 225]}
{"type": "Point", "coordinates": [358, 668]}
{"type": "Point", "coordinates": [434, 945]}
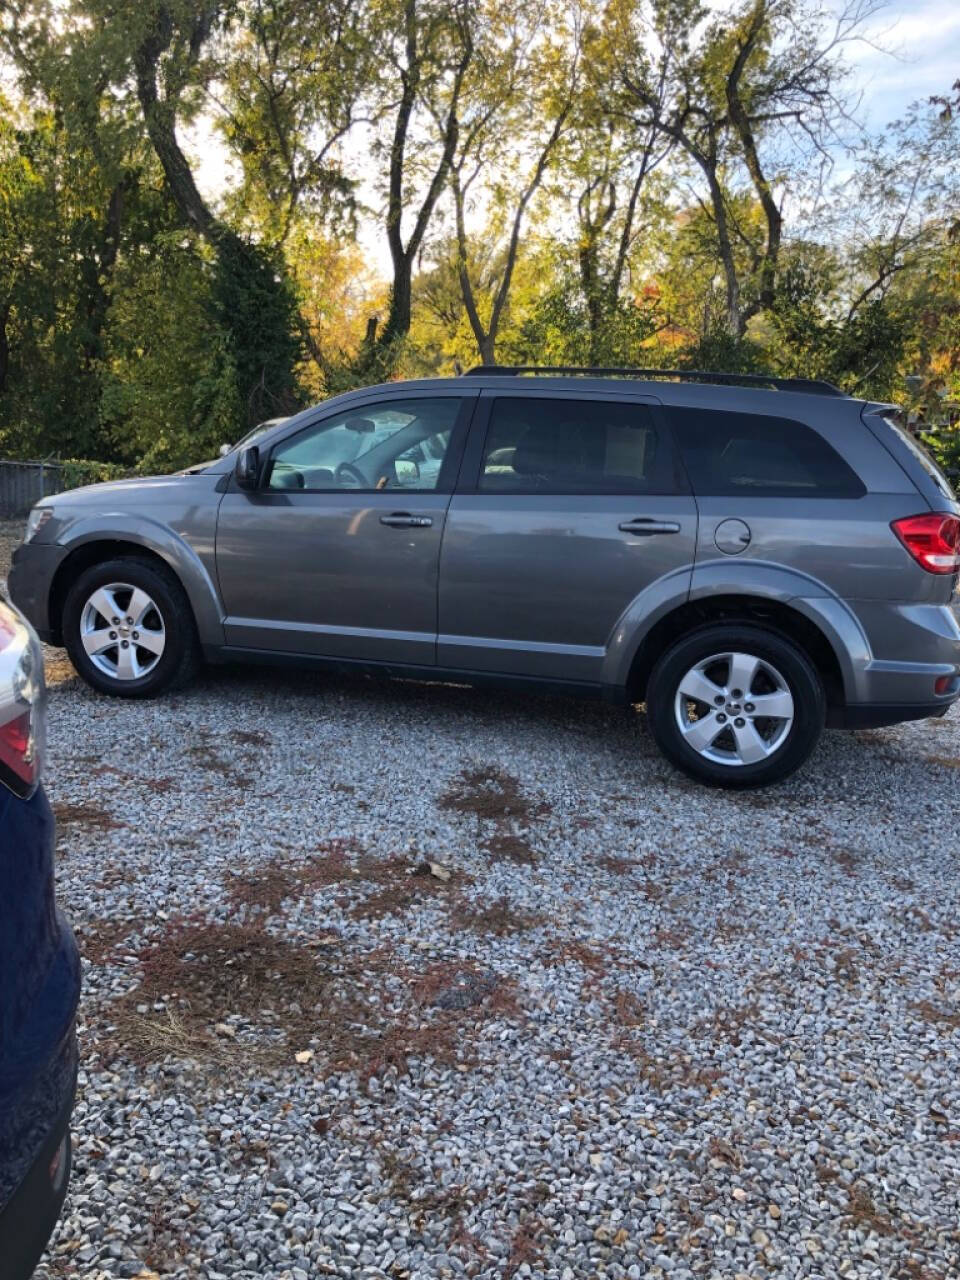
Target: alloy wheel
{"type": "Point", "coordinates": [122, 631]}
{"type": "Point", "coordinates": [734, 709]}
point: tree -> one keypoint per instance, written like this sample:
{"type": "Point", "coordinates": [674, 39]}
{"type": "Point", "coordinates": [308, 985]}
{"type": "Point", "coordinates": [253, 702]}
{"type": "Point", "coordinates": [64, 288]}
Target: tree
{"type": "Point", "coordinates": [426, 47]}
{"type": "Point", "coordinates": [293, 81]}
{"type": "Point", "coordinates": [722, 88]}
{"type": "Point", "coordinates": [521, 55]}
{"type": "Point", "coordinates": [170, 390]}
{"type": "Point", "coordinates": [256, 301]}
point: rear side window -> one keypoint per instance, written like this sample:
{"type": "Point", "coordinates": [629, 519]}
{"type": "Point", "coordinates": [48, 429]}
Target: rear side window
{"type": "Point", "coordinates": [574, 446]}
{"type": "Point", "coordinates": [896, 419]}
{"type": "Point", "coordinates": [752, 455]}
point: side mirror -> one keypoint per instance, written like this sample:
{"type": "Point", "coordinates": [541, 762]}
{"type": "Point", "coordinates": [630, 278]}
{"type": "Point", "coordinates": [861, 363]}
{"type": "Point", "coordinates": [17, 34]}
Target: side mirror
{"type": "Point", "coordinates": [247, 470]}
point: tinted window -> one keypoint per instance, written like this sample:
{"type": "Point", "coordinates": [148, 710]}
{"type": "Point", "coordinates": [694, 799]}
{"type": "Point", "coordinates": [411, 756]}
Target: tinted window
{"type": "Point", "coordinates": [573, 446]}
{"type": "Point", "coordinates": [897, 422]}
{"type": "Point", "coordinates": [398, 444]}
{"type": "Point", "coordinates": [730, 454]}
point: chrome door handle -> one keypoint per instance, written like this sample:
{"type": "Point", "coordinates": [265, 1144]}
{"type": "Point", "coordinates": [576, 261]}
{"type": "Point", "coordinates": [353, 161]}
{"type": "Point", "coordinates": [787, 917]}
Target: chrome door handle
{"type": "Point", "coordinates": [646, 525]}
{"type": "Point", "coordinates": [402, 520]}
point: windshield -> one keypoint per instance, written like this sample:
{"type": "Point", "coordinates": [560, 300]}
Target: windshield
{"type": "Point", "coordinates": [259, 430]}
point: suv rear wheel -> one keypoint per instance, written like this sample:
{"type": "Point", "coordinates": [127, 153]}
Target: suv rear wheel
{"type": "Point", "coordinates": [128, 628]}
{"type": "Point", "coordinates": [735, 705]}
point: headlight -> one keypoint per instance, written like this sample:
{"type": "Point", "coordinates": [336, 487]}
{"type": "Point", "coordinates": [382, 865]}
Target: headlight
{"type": "Point", "coordinates": [37, 518]}
{"type": "Point", "coordinates": [23, 698]}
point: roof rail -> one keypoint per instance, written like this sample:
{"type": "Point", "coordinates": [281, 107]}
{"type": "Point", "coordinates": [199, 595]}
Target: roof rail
{"type": "Point", "coordinates": [811, 386]}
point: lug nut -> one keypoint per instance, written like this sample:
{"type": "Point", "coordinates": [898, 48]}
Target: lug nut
{"type": "Point", "coordinates": [739, 722]}
{"type": "Point", "coordinates": [721, 718]}
{"type": "Point", "coordinates": [113, 635]}
{"type": "Point", "coordinates": [719, 700]}
{"type": "Point", "coordinates": [129, 622]}
{"type": "Point", "coordinates": [116, 622]}
{"type": "Point", "coordinates": [748, 706]}
{"type": "Point", "coordinates": [136, 635]}
{"type": "Point", "coordinates": [737, 693]}
{"type": "Point", "coordinates": [125, 644]}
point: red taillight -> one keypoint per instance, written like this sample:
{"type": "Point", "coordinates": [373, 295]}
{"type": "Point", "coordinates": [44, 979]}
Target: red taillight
{"type": "Point", "coordinates": [16, 748]}
{"type": "Point", "coordinates": [932, 539]}
{"type": "Point", "coordinates": [22, 698]}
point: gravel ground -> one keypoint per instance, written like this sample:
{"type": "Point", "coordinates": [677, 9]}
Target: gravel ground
{"type": "Point", "coordinates": [640, 1029]}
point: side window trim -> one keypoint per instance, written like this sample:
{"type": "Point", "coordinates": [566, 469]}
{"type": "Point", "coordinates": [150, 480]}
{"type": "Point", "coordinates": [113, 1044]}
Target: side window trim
{"type": "Point", "coordinates": [472, 464]}
{"type": "Point", "coordinates": [448, 469]}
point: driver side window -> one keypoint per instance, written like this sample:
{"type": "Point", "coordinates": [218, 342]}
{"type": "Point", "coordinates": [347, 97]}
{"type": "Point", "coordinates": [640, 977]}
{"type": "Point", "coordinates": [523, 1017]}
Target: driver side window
{"type": "Point", "coordinates": [397, 444]}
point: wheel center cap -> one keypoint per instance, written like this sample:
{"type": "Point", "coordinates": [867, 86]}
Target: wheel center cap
{"type": "Point", "coordinates": [733, 708]}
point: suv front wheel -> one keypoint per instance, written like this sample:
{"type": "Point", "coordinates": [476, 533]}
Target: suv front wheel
{"type": "Point", "coordinates": [129, 630]}
{"type": "Point", "coordinates": [735, 705]}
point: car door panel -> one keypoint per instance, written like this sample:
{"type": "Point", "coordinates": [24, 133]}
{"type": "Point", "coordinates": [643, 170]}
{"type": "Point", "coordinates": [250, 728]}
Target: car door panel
{"type": "Point", "coordinates": [320, 574]}
{"type": "Point", "coordinates": [350, 573]}
{"type": "Point", "coordinates": [534, 583]}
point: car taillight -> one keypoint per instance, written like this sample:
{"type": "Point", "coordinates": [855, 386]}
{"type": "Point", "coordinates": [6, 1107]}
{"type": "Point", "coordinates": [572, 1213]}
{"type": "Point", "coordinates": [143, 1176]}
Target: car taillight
{"type": "Point", "coordinates": [932, 539]}
{"type": "Point", "coordinates": [22, 704]}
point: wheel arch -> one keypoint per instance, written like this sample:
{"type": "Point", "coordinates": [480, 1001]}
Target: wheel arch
{"type": "Point", "coordinates": [792, 623]}
{"type": "Point", "coordinates": [98, 547]}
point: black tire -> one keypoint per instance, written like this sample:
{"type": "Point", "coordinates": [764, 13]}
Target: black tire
{"type": "Point", "coordinates": [180, 658]}
{"type": "Point", "coordinates": [792, 664]}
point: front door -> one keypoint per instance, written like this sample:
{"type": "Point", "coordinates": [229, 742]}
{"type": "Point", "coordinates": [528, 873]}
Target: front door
{"type": "Point", "coordinates": [575, 507]}
{"type": "Point", "coordinates": [337, 553]}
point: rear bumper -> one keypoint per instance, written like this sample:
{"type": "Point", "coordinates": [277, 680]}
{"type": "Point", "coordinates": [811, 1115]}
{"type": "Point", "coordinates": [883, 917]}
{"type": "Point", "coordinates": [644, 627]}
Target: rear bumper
{"type": "Point", "coordinates": [31, 1214]}
{"type": "Point", "coordinates": [878, 714]}
{"type": "Point", "coordinates": [897, 661]}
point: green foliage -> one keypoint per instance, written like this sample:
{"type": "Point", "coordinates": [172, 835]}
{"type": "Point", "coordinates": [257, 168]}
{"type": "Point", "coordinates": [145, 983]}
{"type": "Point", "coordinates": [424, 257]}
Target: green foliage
{"type": "Point", "coordinates": [553, 185]}
{"type": "Point", "coordinates": [170, 386]}
{"type": "Point", "coordinates": [558, 330]}
{"type": "Point", "coordinates": [719, 351]}
{"type": "Point", "coordinates": [811, 336]}
{"type": "Point", "coordinates": [254, 304]}
{"type": "Point", "coordinates": [76, 472]}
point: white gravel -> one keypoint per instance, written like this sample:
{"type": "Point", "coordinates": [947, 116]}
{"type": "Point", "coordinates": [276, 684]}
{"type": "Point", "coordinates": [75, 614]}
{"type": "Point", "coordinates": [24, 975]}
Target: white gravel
{"type": "Point", "coordinates": [704, 1034]}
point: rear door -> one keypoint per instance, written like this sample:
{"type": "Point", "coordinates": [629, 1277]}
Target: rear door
{"type": "Point", "coordinates": [568, 507]}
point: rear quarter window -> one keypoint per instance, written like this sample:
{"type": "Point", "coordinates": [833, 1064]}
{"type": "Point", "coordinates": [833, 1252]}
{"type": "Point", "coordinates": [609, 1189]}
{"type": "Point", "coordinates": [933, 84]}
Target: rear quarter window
{"type": "Point", "coordinates": [760, 456]}
{"type": "Point", "coordinates": [896, 420]}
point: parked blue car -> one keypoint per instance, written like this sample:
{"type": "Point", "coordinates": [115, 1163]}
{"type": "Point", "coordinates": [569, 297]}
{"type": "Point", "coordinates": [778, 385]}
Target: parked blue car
{"type": "Point", "coordinates": [39, 971]}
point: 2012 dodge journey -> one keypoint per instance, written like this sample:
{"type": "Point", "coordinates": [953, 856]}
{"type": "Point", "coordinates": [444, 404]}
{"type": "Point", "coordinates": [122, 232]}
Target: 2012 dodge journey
{"type": "Point", "coordinates": [752, 557]}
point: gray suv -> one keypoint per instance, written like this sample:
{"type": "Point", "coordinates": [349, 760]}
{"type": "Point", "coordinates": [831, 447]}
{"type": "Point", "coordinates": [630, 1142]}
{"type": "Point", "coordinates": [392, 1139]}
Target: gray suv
{"type": "Point", "coordinates": [752, 557]}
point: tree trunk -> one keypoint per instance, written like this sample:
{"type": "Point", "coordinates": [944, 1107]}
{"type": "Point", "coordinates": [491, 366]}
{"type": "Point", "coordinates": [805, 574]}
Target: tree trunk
{"type": "Point", "coordinates": [744, 129]}
{"type": "Point", "coordinates": [399, 314]}
{"type": "Point", "coordinates": [735, 319]}
{"type": "Point", "coordinates": [98, 300]}
{"type": "Point", "coordinates": [403, 256]}
{"type": "Point", "coordinates": [160, 118]}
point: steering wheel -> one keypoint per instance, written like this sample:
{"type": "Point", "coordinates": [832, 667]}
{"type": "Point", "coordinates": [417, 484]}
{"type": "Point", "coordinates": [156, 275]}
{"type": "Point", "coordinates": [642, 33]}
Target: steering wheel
{"type": "Point", "coordinates": [351, 477]}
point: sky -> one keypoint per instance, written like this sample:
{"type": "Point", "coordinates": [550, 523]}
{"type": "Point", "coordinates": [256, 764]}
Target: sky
{"type": "Point", "coordinates": [924, 40]}
{"type": "Point", "coordinates": [913, 53]}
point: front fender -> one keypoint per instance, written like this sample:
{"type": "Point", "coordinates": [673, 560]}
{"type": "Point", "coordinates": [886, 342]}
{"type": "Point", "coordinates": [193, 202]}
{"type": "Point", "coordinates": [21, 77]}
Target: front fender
{"type": "Point", "coordinates": [193, 564]}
